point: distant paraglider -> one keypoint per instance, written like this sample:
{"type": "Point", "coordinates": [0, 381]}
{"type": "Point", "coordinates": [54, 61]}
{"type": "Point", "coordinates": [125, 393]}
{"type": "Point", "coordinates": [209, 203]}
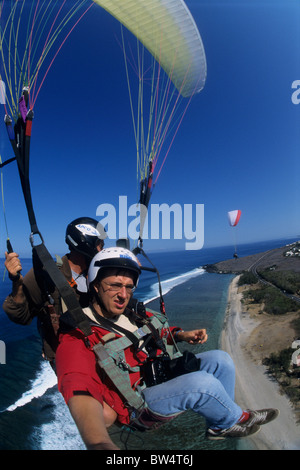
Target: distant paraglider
{"type": "Point", "coordinates": [234, 217]}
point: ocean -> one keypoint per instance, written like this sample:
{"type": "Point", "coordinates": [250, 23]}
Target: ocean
{"type": "Point", "coordinates": [33, 415]}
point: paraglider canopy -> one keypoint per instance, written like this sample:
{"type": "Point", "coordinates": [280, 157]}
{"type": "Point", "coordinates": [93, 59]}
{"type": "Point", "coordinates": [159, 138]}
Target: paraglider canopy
{"type": "Point", "coordinates": [234, 217]}
{"type": "Point", "coordinates": [168, 30]}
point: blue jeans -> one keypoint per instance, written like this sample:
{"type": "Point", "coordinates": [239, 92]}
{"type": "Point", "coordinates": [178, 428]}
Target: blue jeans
{"type": "Point", "coordinates": [209, 392]}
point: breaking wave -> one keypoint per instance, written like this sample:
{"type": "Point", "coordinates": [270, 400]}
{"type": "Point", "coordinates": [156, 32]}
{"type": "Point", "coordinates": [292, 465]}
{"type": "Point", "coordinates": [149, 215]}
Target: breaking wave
{"type": "Point", "coordinates": [169, 284]}
{"type": "Point", "coordinates": [44, 380]}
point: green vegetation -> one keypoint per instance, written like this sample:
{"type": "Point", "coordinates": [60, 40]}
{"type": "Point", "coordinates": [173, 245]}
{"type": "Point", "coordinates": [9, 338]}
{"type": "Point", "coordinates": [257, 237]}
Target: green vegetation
{"type": "Point", "coordinates": [279, 362]}
{"type": "Point", "coordinates": [288, 281]}
{"type": "Point", "coordinates": [274, 301]}
{"type": "Point", "coordinates": [247, 278]}
{"type": "Point", "coordinates": [279, 365]}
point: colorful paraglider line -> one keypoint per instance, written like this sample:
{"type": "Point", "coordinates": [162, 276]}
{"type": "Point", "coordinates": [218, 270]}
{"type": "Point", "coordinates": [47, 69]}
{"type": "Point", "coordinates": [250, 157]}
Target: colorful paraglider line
{"type": "Point", "coordinates": [165, 33]}
{"type": "Point", "coordinates": [165, 28]}
{"type": "Point", "coordinates": [21, 29]}
{"type": "Point", "coordinates": [24, 46]}
{"type": "Point", "coordinates": [165, 62]}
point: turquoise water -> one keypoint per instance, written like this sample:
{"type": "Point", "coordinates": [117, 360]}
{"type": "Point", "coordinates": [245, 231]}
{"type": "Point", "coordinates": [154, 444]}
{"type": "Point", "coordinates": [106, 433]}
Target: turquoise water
{"type": "Point", "coordinates": [33, 415]}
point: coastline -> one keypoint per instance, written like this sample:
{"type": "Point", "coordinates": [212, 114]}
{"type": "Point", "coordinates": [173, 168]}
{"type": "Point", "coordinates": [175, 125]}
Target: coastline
{"type": "Point", "coordinates": [254, 389]}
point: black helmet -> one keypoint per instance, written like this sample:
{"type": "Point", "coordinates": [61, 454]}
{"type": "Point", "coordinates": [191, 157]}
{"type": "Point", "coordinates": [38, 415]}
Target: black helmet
{"type": "Point", "coordinates": [85, 235]}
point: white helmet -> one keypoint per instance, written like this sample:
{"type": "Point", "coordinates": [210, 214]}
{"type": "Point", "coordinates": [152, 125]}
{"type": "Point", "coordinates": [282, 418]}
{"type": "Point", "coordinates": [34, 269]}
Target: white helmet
{"type": "Point", "coordinates": [114, 257]}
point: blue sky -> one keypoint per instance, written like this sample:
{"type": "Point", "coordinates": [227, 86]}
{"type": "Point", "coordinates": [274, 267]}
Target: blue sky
{"type": "Point", "coordinates": [237, 148]}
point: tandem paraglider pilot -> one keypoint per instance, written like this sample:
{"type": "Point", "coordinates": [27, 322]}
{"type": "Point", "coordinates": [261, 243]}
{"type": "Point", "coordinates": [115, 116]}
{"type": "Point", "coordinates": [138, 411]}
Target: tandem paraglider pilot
{"type": "Point", "coordinates": [34, 295]}
{"type": "Point", "coordinates": [130, 369]}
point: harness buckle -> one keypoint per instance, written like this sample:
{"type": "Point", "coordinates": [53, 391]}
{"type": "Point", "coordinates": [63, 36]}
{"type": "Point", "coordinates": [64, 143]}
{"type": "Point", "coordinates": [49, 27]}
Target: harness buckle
{"type": "Point", "coordinates": [31, 238]}
{"type": "Point", "coordinates": [123, 364]}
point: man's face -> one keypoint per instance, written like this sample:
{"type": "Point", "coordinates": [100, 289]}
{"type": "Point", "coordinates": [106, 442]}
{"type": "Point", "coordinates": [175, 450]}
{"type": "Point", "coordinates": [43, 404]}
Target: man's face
{"type": "Point", "coordinates": [114, 292]}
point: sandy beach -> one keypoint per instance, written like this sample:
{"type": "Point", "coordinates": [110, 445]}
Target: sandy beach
{"type": "Point", "coordinates": [244, 337]}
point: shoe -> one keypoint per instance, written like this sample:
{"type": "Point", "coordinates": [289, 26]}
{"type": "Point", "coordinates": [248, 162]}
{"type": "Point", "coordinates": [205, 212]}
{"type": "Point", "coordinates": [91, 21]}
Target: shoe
{"type": "Point", "coordinates": [237, 430]}
{"type": "Point", "coordinates": [261, 416]}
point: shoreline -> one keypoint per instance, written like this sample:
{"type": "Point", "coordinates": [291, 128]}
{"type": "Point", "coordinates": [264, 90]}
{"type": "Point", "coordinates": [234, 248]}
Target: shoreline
{"type": "Point", "coordinates": [254, 388]}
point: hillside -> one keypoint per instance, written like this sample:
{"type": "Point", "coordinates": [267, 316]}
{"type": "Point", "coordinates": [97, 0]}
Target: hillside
{"type": "Point", "coordinates": [286, 258]}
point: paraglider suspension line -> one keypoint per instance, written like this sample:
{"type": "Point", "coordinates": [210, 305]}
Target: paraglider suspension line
{"type": "Point", "coordinates": [139, 250]}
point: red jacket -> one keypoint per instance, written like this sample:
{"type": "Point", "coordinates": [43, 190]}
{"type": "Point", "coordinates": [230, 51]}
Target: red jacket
{"type": "Point", "coordinates": [77, 368]}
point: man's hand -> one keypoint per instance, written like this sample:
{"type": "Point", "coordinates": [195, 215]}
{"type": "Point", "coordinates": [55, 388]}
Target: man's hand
{"type": "Point", "coordinates": [12, 264]}
{"type": "Point", "coordinates": [193, 336]}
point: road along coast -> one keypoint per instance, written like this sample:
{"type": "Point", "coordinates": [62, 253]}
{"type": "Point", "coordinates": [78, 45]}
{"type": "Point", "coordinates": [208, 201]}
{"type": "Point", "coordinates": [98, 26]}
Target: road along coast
{"type": "Point", "coordinates": [276, 257]}
{"type": "Point", "coordinates": [254, 388]}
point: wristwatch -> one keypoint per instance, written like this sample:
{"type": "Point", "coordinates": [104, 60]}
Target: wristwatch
{"type": "Point", "coordinates": [176, 334]}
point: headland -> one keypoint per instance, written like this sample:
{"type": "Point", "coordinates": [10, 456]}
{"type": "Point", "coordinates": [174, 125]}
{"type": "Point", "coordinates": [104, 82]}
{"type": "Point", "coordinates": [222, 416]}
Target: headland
{"type": "Point", "coordinates": [250, 335]}
{"type": "Point", "coordinates": [285, 258]}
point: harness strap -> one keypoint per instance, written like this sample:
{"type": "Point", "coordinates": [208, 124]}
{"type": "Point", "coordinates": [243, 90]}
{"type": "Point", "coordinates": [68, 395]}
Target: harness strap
{"type": "Point", "coordinates": [112, 326]}
{"type": "Point", "coordinates": [111, 355]}
{"type": "Point", "coordinates": [42, 255]}
{"type": "Point", "coordinates": [72, 283]}
{"type": "Point", "coordinates": [119, 377]}
{"type": "Point", "coordinates": [139, 250]}
{"type": "Point", "coordinates": [148, 330]}
{"type": "Point", "coordinates": [20, 141]}
{"type": "Point", "coordinates": [120, 344]}
{"type": "Point", "coordinates": [20, 138]}
{"type": "Point", "coordinates": [7, 162]}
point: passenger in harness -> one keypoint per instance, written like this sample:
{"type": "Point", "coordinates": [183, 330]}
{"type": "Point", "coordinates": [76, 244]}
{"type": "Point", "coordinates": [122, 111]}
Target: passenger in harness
{"type": "Point", "coordinates": [130, 362]}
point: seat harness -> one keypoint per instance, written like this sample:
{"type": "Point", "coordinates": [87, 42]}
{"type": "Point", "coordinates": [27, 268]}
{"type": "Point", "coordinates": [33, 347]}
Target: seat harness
{"type": "Point", "coordinates": [111, 356]}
